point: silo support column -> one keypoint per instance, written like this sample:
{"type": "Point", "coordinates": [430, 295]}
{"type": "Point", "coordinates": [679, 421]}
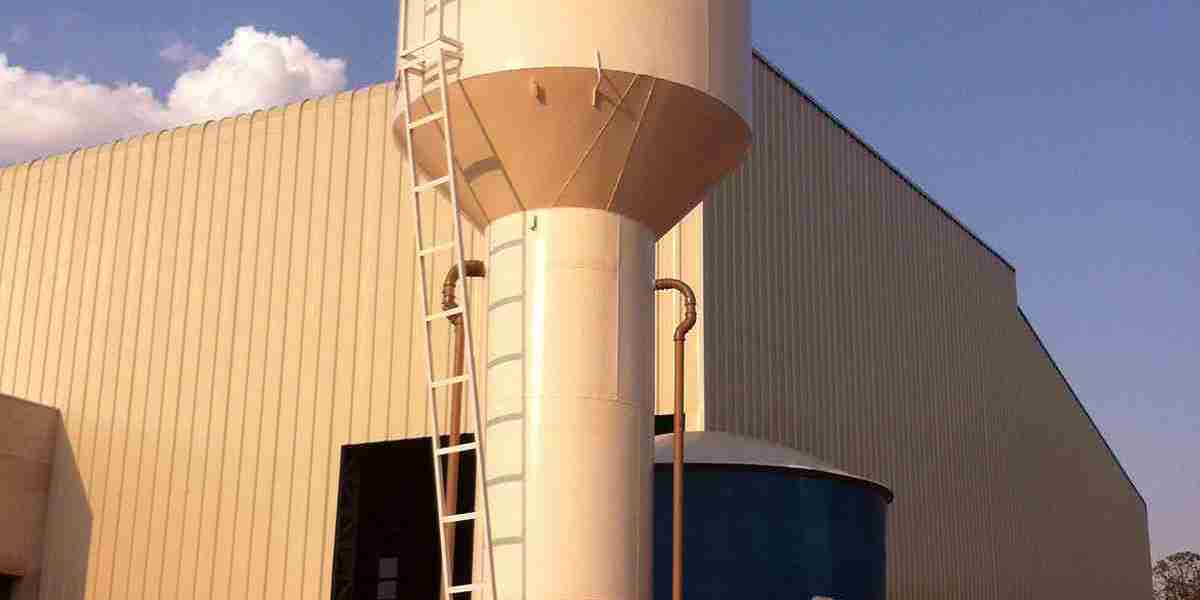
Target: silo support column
{"type": "Point", "coordinates": [570, 404]}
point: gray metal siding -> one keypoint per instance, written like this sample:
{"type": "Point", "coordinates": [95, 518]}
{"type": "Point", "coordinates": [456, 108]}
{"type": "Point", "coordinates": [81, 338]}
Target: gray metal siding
{"type": "Point", "coordinates": [850, 317]}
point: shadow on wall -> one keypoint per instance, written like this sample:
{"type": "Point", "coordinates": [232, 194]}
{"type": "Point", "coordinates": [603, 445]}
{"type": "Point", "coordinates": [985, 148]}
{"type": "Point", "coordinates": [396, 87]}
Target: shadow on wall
{"type": "Point", "coordinates": [68, 532]}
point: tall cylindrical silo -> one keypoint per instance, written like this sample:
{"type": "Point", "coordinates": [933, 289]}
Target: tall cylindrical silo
{"type": "Point", "coordinates": [582, 131]}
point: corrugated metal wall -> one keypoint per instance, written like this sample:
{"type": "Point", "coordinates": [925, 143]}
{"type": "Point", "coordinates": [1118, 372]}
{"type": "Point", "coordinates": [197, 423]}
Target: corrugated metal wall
{"type": "Point", "coordinates": [215, 310]}
{"type": "Point", "coordinates": [850, 317]}
{"type": "Point", "coordinates": [680, 255]}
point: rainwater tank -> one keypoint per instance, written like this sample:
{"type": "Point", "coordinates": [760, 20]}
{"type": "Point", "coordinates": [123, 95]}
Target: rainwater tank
{"type": "Point", "coordinates": [764, 521]}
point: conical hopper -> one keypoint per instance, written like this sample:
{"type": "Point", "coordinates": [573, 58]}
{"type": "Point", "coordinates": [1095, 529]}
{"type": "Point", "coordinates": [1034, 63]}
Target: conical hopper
{"type": "Point", "coordinates": [647, 148]}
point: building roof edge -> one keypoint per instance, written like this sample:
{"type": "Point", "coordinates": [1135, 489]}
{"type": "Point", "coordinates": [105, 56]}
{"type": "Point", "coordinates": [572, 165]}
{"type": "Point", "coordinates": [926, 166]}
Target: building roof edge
{"type": "Point", "coordinates": [1067, 383]}
{"type": "Point", "coordinates": [758, 54]}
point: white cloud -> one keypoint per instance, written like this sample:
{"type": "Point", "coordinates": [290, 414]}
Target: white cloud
{"type": "Point", "coordinates": [185, 55]}
{"type": "Point", "coordinates": [43, 113]}
{"type": "Point", "coordinates": [19, 35]}
{"type": "Point", "coordinates": [254, 69]}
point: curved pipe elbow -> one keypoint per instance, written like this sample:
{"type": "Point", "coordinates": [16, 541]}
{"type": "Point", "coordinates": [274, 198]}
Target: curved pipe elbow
{"type": "Point", "coordinates": [474, 268]}
{"type": "Point", "coordinates": [689, 304]}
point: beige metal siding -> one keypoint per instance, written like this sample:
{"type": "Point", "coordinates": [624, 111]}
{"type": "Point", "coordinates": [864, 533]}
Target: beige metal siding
{"type": "Point", "coordinates": [679, 255]}
{"type": "Point", "coordinates": [216, 309]}
{"type": "Point", "coordinates": [850, 317]}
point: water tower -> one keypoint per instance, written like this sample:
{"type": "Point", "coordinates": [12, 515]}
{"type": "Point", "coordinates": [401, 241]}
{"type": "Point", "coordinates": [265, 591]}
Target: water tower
{"type": "Point", "coordinates": [574, 134]}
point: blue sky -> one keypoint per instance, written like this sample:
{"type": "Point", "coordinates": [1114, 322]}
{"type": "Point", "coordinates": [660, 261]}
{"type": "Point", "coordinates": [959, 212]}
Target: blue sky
{"type": "Point", "coordinates": [1065, 134]}
{"type": "Point", "coordinates": [1068, 138]}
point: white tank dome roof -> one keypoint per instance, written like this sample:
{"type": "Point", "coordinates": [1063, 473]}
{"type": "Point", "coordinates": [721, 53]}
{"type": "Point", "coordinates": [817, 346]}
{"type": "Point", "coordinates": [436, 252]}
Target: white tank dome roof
{"type": "Point", "coordinates": [721, 448]}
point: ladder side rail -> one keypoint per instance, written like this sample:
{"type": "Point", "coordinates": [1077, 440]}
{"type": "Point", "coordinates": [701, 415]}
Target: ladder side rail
{"type": "Point", "coordinates": [402, 26]}
{"type": "Point", "coordinates": [424, 26]}
{"type": "Point", "coordinates": [418, 236]}
{"type": "Point", "coordinates": [469, 345]}
{"type": "Point", "coordinates": [441, 21]}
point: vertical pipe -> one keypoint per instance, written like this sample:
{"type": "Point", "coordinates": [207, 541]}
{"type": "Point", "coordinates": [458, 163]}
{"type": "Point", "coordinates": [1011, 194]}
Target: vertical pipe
{"type": "Point", "coordinates": [455, 438]}
{"type": "Point", "coordinates": [677, 482]}
{"type": "Point", "coordinates": [689, 319]}
{"type": "Point", "coordinates": [473, 268]}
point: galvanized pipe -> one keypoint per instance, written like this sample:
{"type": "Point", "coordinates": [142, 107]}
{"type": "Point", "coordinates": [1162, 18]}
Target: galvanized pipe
{"type": "Point", "coordinates": [474, 268]}
{"type": "Point", "coordinates": [681, 330]}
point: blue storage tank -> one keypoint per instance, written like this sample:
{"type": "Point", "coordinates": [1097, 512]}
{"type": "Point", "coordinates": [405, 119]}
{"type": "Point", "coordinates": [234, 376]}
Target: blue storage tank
{"type": "Point", "coordinates": [764, 521]}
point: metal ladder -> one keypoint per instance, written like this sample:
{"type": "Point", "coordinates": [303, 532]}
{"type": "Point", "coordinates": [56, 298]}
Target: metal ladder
{"type": "Point", "coordinates": [429, 57]}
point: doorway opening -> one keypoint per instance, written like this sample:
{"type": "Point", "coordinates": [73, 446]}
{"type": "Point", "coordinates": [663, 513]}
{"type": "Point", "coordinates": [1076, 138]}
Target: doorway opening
{"type": "Point", "coordinates": [385, 538]}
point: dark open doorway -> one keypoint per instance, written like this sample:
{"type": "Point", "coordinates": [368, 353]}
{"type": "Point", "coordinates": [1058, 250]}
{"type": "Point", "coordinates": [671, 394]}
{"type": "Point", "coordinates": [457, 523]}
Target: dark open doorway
{"type": "Point", "coordinates": [385, 542]}
{"type": "Point", "coordinates": [7, 583]}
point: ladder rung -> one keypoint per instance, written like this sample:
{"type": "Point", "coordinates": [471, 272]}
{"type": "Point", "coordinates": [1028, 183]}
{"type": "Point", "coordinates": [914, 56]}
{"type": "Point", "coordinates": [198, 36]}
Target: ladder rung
{"type": "Point", "coordinates": [468, 587]}
{"type": "Point", "coordinates": [413, 51]}
{"type": "Point", "coordinates": [422, 66]}
{"type": "Point", "coordinates": [418, 64]}
{"type": "Point", "coordinates": [412, 66]}
{"type": "Point", "coordinates": [458, 448]}
{"type": "Point", "coordinates": [429, 66]}
{"type": "Point", "coordinates": [449, 41]}
{"type": "Point", "coordinates": [437, 248]}
{"type": "Point", "coordinates": [437, 116]}
{"type": "Point", "coordinates": [449, 381]}
{"type": "Point", "coordinates": [457, 310]}
{"type": "Point", "coordinates": [446, 520]}
{"type": "Point", "coordinates": [429, 185]}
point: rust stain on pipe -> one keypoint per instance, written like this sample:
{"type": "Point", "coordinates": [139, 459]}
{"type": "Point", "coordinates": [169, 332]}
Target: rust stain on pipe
{"type": "Point", "coordinates": [473, 268]}
{"type": "Point", "coordinates": [681, 330]}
